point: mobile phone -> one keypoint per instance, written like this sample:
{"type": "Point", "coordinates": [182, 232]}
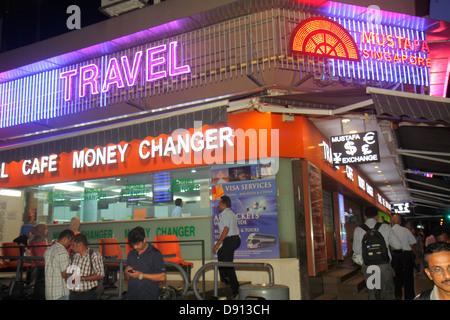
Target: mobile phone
{"type": "Point", "coordinates": [131, 271]}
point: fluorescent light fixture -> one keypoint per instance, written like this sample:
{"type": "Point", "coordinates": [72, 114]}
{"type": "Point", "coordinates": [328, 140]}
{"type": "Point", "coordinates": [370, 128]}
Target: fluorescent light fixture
{"type": "Point", "coordinates": [66, 187]}
{"type": "Point", "coordinates": [114, 8]}
{"type": "Point", "coordinates": [10, 193]}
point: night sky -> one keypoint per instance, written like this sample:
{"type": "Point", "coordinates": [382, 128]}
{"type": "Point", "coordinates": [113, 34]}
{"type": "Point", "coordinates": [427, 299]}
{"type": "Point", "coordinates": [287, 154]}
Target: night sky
{"type": "Point", "coordinates": [28, 21]}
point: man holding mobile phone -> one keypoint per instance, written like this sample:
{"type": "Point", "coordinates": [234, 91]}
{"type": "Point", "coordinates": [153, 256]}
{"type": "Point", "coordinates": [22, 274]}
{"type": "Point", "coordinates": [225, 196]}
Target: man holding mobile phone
{"type": "Point", "coordinates": [145, 267]}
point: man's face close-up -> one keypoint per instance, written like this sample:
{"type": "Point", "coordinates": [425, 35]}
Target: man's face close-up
{"type": "Point", "coordinates": [221, 206]}
{"type": "Point", "coordinates": [439, 269]}
{"type": "Point", "coordinates": [139, 246]}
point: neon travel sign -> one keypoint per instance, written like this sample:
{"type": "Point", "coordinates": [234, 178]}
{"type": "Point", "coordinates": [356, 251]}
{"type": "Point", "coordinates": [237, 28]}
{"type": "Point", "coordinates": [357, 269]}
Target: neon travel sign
{"type": "Point", "coordinates": [160, 62]}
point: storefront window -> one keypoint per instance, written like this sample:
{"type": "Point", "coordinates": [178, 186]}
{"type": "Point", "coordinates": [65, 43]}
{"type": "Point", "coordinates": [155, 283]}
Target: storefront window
{"type": "Point", "coordinates": [141, 196]}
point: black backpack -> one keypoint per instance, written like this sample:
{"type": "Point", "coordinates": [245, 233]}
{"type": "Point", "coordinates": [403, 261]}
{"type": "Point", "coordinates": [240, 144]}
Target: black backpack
{"type": "Point", "coordinates": [374, 249]}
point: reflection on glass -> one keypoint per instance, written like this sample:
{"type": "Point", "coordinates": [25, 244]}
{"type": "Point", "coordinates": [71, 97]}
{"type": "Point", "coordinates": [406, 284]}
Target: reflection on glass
{"type": "Point", "coordinates": [122, 198]}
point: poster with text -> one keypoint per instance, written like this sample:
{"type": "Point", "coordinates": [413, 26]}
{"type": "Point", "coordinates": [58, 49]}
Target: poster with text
{"type": "Point", "coordinates": [252, 190]}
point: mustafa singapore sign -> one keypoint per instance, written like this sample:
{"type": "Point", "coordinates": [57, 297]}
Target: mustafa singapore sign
{"type": "Point", "coordinates": [357, 49]}
{"type": "Point", "coordinates": [397, 43]}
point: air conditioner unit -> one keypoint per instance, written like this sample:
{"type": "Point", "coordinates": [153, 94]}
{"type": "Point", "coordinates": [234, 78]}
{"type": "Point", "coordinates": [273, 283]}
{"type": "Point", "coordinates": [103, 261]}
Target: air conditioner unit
{"type": "Point", "coordinates": [113, 8]}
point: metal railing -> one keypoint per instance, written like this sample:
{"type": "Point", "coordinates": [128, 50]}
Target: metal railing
{"type": "Point", "coordinates": [186, 279]}
{"type": "Point", "coordinates": [217, 265]}
{"type": "Point", "coordinates": [188, 285]}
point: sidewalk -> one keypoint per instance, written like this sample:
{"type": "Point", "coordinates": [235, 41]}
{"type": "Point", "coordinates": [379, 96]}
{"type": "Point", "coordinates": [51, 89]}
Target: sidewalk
{"type": "Point", "coordinates": [422, 283]}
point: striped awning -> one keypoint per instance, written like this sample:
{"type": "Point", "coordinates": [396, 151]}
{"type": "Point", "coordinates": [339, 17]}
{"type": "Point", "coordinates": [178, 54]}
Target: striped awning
{"type": "Point", "coordinates": [60, 141]}
{"type": "Point", "coordinates": [410, 105]}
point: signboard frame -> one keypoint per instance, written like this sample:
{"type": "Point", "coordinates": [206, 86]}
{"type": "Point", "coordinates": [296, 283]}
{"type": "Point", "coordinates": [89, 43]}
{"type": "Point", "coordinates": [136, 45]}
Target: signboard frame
{"type": "Point", "coordinates": [356, 148]}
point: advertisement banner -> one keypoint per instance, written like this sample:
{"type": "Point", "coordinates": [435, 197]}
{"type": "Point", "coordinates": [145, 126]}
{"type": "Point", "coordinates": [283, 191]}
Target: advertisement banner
{"type": "Point", "coordinates": [252, 190]}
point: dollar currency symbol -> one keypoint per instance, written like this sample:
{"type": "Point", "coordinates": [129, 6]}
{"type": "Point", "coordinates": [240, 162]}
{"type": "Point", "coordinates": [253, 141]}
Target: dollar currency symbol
{"type": "Point", "coordinates": [73, 282]}
{"type": "Point", "coordinates": [350, 148]}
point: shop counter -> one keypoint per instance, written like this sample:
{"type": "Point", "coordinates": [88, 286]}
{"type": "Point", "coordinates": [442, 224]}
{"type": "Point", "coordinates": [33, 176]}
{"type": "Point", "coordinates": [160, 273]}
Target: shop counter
{"type": "Point", "coordinates": [187, 229]}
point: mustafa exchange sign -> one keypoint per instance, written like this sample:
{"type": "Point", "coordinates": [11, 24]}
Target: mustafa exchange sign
{"type": "Point", "coordinates": [355, 148]}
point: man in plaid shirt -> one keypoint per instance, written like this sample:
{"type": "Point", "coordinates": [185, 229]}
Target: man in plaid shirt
{"type": "Point", "coordinates": [85, 270]}
{"type": "Point", "coordinates": [56, 262]}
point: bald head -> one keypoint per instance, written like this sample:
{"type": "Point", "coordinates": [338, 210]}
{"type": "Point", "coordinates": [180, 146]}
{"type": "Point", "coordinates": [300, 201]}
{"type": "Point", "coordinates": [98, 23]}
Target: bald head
{"type": "Point", "coordinates": [397, 219]}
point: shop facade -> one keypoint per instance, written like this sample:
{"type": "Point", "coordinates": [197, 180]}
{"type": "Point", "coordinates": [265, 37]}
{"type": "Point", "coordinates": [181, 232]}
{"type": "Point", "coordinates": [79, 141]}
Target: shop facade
{"type": "Point", "coordinates": [210, 131]}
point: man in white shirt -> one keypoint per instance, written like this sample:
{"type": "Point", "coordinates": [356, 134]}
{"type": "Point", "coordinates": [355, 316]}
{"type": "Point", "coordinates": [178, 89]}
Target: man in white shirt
{"type": "Point", "coordinates": [228, 242]}
{"type": "Point", "coordinates": [177, 211]}
{"type": "Point", "coordinates": [386, 290]}
{"type": "Point", "coordinates": [403, 260]}
{"type": "Point", "coordinates": [56, 262]}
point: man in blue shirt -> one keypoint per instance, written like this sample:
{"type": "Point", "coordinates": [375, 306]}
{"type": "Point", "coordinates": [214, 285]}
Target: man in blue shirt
{"type": "Point", "coordinates": [228, 242]}
{"type": "Point", "coordinates": [145, 267]}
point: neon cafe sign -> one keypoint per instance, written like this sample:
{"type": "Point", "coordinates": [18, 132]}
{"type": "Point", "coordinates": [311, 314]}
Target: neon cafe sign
{"type": "Point", "coordinates": [160, 62]}
{"type": "Point", "coordinates": [364, 50]}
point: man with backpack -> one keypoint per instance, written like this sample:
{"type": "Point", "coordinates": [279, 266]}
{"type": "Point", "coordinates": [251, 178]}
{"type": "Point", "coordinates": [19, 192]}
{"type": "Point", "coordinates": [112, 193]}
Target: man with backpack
{"type": "Point", "coordinates": [372, 241]}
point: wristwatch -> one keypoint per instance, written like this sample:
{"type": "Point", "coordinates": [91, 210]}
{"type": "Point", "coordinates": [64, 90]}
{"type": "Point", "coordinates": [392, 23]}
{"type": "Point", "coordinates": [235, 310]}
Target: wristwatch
{"type": "Point", "coordinates": [141, 276]}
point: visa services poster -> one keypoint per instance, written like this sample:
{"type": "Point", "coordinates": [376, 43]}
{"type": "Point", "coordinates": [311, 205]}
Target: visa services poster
{"type": "Point", "coordinates": [252, 190]}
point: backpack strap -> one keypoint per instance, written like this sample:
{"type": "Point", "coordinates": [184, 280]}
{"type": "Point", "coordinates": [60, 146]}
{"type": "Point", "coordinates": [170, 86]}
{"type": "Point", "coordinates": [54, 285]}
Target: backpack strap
{"type": "Point", "coordinates": [365, 227]}
{"type": "Point", "coordinates": [91, 252]}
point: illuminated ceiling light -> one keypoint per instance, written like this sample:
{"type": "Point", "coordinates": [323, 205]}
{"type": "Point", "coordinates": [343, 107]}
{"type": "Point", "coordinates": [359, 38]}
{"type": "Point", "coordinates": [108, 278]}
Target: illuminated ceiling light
{"type": "Point", "coordinates": [345, 120]}
{"type": "Point", "coordinates": [353, 131]}
{"type": "Point", "coordinates": [114, 8]}
{"type": "Point", "coordinates": [323, 37]}
{"type": "Point", "coordinates": [66, 186]}
{"type": "Point", "coordinates": [10, 193]}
